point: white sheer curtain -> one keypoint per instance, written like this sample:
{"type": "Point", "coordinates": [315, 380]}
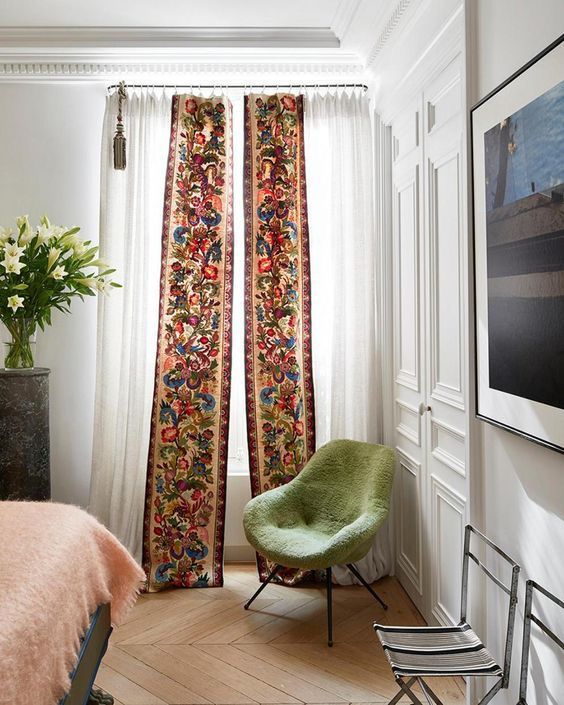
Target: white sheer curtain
{"type": "Point", "coordinates": [342, 240]}
{"type": "Point", "coordinates": [130, 238]}
{"type": "Point", "coordinates": [340, 190]}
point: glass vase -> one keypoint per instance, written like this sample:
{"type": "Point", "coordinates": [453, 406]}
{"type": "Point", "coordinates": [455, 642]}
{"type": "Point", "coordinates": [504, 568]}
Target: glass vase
{"type": "Point", "coordinates": [19, 351]}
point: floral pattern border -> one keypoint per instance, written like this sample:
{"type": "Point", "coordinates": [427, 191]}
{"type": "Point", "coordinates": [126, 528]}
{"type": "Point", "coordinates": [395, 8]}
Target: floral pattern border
{"type": "Point", "coordinates": [280, 403]}
{"type": "Point", "coordinates": [185, 496]}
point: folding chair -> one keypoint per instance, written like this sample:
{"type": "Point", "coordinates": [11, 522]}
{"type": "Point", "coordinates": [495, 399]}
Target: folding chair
{"type": "Point", "coordinates": [418, 652]}
{"type": "Point", "coordinates": [530, 617]}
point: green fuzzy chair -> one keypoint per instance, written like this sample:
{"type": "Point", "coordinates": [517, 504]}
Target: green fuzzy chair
{"type": "Point", "coordinates": [328, 515]}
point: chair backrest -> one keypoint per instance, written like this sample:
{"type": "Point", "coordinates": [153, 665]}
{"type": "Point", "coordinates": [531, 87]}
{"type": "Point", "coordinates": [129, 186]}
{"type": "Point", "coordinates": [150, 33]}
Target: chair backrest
{"type": "Point", "coordinates": [529, 618]}
{"type": "Point", "coordinates": [350, 477]}
{"type": "Point", "coordinates": [510, 590]}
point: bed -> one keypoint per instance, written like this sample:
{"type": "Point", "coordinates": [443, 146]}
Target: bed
{"type": "Point", "coordinates": [64, 581]}
{"type": "Point", "coordinates": [92, 650]}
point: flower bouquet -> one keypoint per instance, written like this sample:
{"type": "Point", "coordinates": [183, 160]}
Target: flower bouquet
{"type": "Point", "coordinates": [42, 269]}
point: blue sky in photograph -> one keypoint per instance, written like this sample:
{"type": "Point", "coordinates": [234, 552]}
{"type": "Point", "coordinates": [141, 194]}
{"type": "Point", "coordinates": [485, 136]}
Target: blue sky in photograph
{"type": "Point", "coordinates": [535, 149]}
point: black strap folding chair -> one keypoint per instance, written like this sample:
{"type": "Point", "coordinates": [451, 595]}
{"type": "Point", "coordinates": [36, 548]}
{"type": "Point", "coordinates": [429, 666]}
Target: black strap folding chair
{"type": "Point", "coordinates": [530, 618]}
{"type": "Point", "coordinates": [415, 653]}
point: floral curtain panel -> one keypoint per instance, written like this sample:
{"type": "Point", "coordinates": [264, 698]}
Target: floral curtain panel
{"type": "Point", "coordinates": [280, 404]}
{"type": "Point", "coordinates": [185, 495]}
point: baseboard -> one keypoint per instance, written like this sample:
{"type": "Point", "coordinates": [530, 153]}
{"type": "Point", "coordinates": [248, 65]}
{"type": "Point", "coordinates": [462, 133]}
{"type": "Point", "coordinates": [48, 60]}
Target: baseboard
{"type": "Point", "coordinates": [239, 554]}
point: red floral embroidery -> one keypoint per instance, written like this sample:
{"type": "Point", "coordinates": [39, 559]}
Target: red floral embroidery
{"type": "Point", "coordinates": [278, 354]}
{"type": "Point", "coordinates": [185, 497]}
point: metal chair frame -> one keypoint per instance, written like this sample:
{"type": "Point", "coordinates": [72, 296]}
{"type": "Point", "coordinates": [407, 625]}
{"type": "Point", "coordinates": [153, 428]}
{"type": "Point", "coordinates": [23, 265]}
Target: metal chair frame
{"type": "Point", "coordinates": [329, 588]}
{"type": "Point", "coordinates": [432, 698]}
{"type": "Point", "coordinates": [529, 619]}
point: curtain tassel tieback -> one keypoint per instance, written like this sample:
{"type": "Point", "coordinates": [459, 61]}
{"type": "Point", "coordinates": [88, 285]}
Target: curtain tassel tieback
{"type": "Point", "coordinates": [120, 141]}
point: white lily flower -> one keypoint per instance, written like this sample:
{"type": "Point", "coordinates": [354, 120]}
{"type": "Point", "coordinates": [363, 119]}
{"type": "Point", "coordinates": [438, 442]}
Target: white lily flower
{"type": "Point", "coordinates": [59, 273]}
{"type": "Point", "coordinates": [12, 265]}
{"type": "Point", "coordinates": [23, 220]}
{"type": "Point", "coordinates": [15, 302]}
{"type": "Point", "coordinates": [44, 220]}
{"type": "Point", "coordinates": [102, 286]}
{"type": "Point", "coordinates": [90, 282]}
{"type": "Point", "coordinates": [79, 248]}
{"type": "Point", "coordinates": [54, 254]}
{"type": "Point", "coordinates": [44, 233]}
{"type": "Point", "coordinates": [5, 234]}
{"type": "Point", "coordinates": [12, 250]}
{"type": "Point", "coordinates": [99, 264]}
{"type": "Point", "coordinates": [26, 237]}
{"type": "Point", "coordinates": [24, 228]}
{"type": "Point", "coordinates": [71, 239]}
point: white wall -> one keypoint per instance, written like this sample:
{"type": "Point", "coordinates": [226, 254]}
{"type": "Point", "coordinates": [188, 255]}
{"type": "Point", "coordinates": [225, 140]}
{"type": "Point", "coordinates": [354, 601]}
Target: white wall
{"type": "Point", "coordinates": [523, 483]}
{"type": "Point", "coordinates": [50, 163]}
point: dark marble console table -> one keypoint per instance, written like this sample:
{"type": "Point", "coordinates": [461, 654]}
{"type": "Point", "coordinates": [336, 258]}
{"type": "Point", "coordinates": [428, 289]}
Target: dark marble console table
{"type": "Point", "coordinates": [24, 434]}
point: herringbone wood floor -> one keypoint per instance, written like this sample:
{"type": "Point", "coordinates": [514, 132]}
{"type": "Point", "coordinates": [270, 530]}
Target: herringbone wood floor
{"type": "Point", "coordinates": [199, 647]}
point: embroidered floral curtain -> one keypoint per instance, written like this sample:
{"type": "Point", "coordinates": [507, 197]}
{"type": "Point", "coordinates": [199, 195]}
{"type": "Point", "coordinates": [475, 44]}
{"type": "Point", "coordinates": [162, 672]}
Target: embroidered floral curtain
{"type": "Point", "coordinates": [280, 406]}
{"type": "Point", "coordinates": [185, 498]}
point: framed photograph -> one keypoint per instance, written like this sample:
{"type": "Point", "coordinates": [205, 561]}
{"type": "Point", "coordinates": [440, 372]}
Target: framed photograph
{"type": "Point", "coordinates": [518, 183]}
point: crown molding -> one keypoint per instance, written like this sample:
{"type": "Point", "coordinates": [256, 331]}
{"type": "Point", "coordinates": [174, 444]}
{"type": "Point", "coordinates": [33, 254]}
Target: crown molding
{"type": "Point", "coordinates": [388, 30]}
{"type": "Point", "coordinates": [169, 37]}
{"type": "Point", "coordinates": [344, 17]}
{"type": "Point", "coordinates": [230, 66]}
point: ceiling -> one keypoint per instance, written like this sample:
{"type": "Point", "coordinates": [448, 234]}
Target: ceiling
{"type": "Point", "coordinates": [169, 13]}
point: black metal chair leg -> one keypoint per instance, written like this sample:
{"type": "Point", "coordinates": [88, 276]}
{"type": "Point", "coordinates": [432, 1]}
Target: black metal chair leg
{"type": "Point", "coordinates": [357, 575]}
{"type": "Point", "coordinates": [329, 579]}
{"type": "Point", "coordinates": [405, 689]}
{"type": "Point", "coordinates": [261, 588]}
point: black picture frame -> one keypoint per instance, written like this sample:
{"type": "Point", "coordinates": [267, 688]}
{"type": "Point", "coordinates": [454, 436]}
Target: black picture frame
{"type": "Point", "coordinates": [487, 412]}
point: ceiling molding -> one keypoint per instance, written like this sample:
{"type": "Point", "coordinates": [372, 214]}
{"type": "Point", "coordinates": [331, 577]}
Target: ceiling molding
{"type": "Point", "coordinates": [344, 16]}
{"type": "Point", "coordinates": [229, 68]}
{"type": "Point", "coordinates": [169, 37]}
{"type": "Point", "coordinates": [388, 30]}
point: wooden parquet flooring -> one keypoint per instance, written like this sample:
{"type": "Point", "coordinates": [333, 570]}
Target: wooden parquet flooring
{"type": "Point", "coordinates": [199, 647]}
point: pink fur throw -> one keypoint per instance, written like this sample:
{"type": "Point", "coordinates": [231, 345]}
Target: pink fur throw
{"type": "Point", "coordinates": [57, 565]}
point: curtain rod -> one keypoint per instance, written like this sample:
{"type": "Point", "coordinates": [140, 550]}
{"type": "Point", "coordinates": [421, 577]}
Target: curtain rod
{"type": "Point", "coordinates": [199, 86]}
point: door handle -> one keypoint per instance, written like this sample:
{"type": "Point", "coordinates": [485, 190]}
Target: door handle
{"type": "Point", "coordinates": [423, 408]}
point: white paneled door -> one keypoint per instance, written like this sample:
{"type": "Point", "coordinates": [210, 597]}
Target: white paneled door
{"type": "Point", "coordinates": [430, 361]}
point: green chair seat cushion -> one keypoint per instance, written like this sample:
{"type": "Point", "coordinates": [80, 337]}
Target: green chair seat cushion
{"type": "Point", "coordinates": [330, 513]}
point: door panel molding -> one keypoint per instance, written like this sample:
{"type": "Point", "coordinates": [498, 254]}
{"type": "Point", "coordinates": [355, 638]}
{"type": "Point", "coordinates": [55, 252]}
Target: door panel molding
{"type": "Point", "coordinates": [448, 446]}
{"type": "Point", "coordinates": [406, 282]}
{"type": "Point", "coordinates": [408, 421]}
{"type": "Point", "coordinates": [445, 550]}
{"type": "Point", "coordinates": [445, 281]}
{"type": "Point", "coordinates": [410, 534]}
